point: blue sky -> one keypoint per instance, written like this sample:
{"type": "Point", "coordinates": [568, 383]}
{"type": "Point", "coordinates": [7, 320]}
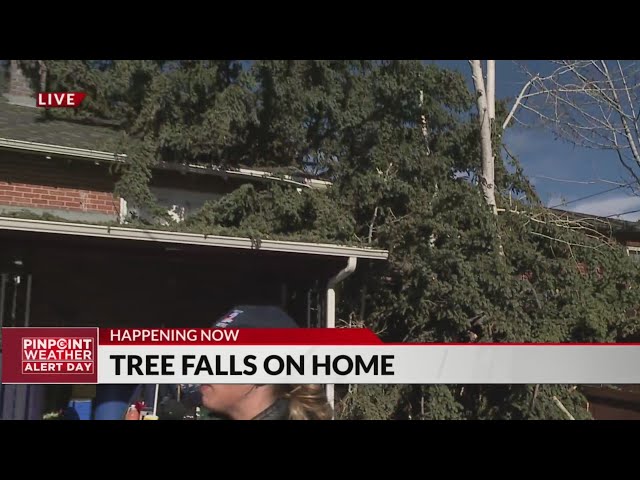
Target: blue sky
{"type": "Point", "coordinates": [559, 171]}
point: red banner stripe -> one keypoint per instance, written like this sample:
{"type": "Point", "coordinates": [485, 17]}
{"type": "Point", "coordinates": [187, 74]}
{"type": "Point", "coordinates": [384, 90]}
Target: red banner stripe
{"type": "Point", "coordinates": [231, 336]}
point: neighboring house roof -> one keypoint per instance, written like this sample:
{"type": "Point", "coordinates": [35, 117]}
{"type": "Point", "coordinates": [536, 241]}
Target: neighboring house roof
{"type": "Point", "coordinates": [23, 129]}
{"type": "Point", "coordinates": [601, 223]}
{"type": "Point", "coordinates": [26, 124]}
{"type": "Point", "coordinates": [611, 224]}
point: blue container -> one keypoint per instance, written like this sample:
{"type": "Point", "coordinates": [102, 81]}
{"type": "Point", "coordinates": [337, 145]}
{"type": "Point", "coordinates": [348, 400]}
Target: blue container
{"type": "Point", "coordinates": [112, 401]}
{"type": "Point", "coordinates": [83, 408]}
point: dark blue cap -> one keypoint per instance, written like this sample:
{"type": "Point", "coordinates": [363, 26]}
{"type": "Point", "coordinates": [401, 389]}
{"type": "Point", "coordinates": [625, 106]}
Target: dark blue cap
{"type": "Point", "coordinates": [256, 316]}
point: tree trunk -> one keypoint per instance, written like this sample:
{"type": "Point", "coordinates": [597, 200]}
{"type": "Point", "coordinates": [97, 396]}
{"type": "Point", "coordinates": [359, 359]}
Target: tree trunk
{"type": "Point", "coordinates": [487, 180]}
{"type": "Point", "coordinates": [491, 89]}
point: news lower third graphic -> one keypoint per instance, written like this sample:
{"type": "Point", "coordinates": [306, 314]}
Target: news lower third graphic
{"type": "Point", "coordinates": [297, 356]}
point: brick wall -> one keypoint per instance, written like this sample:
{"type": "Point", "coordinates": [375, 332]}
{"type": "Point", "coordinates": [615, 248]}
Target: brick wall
{"type": "Point", "coordinates": [605, 403]}
{"type": "Point", "coordinates": [56, 184]}
{"type": "Point", "coordinates": [57, 198]}
{"type": "Point", "coordinates": [631, 243]}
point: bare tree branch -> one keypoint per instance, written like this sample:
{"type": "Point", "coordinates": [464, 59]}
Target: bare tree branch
{"type": "Point", "coordinates": [629, 99]}
{"type": "Point", "coordinates": [591, 103]}
{"type": "Point", "coordinates": [623, 116]}
{"type": "Point", "coordinates": [562, 408]}
{"type": "Point", "coordinates": [570, 244]}
{"type": "Point", "coordinates": [516, 104]}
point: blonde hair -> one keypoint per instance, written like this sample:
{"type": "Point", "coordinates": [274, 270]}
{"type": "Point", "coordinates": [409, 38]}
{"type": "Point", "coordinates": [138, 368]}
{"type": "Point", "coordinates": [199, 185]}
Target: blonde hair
{"type": "Point", "coordinates": [307, 402]}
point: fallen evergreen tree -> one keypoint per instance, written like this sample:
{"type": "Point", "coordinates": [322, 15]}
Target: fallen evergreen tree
{"type": "Point", "coordinates": [399, 141]}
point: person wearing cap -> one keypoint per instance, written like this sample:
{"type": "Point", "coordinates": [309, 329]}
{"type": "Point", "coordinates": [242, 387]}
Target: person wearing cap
{"type": "Point", "coordinates": [264, 402]}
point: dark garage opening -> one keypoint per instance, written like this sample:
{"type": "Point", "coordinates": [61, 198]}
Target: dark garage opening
{"type": "Point", "coordinates": [64, 280]}
{"type": "Point", "coordinates": [80, 281]}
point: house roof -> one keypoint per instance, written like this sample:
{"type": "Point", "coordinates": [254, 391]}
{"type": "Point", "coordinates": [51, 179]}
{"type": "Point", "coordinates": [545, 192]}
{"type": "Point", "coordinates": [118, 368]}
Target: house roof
{"type": "Point", "coordinates": [23, 129]}
{"type": "Point", "coordinates": [26, 124]}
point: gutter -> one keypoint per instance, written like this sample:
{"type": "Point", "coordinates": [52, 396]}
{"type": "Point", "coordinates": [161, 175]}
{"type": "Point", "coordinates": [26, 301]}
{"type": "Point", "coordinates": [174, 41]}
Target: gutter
{"type": "Point", "coordinates": [61, 150]}
{"type": "Point", "coordinates": [246, 173]}
{"type": "Point", "coordinates": [124, 233]}
{"type": "Point", "coordinates": [307, 182]}
{"type": "Point", "coordinates": [48, 149]}
{"type": "Point", "coordinates": [331, 309]}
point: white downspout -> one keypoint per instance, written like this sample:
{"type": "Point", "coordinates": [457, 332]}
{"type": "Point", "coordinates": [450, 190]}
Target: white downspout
{"type": "Point", "coordinates": [122, 216]}
{"type": "Point", "coordinates": [331, 309]}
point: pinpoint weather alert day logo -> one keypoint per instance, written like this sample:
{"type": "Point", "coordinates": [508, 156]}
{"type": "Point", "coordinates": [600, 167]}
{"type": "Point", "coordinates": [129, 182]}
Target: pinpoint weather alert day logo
{"type": "Point", "coordinates": [49, 355]}
{"type": "Point", "coordinates": [57, 355]}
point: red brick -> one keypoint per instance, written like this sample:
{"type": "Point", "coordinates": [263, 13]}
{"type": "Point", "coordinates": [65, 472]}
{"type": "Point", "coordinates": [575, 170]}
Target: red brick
{"type": "Point", "coordinates": [46, 184]}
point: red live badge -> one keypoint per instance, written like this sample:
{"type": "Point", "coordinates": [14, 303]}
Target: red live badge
{"type": "Point", "coordinates": [60, 99]}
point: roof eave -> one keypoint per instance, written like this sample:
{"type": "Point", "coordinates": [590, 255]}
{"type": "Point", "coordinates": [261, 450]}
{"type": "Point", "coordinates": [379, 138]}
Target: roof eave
{"type": "Point", "coordinates": [96, 155]}
{"type": "Point", "coordinates": [124, 233]}
{"type": "Point", "coordinates": [48, 149]}
{"type": "Point", "coordinates": [615, 223]}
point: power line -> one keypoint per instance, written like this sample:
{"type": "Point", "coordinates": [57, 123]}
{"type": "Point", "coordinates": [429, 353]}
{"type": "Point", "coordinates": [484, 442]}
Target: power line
{"type": "Point", "coordinates": [623, 213]}
{"type": "Point", "coordinates": [586, 182]}
{"type": "Point", "coordinates": [593, 195]}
